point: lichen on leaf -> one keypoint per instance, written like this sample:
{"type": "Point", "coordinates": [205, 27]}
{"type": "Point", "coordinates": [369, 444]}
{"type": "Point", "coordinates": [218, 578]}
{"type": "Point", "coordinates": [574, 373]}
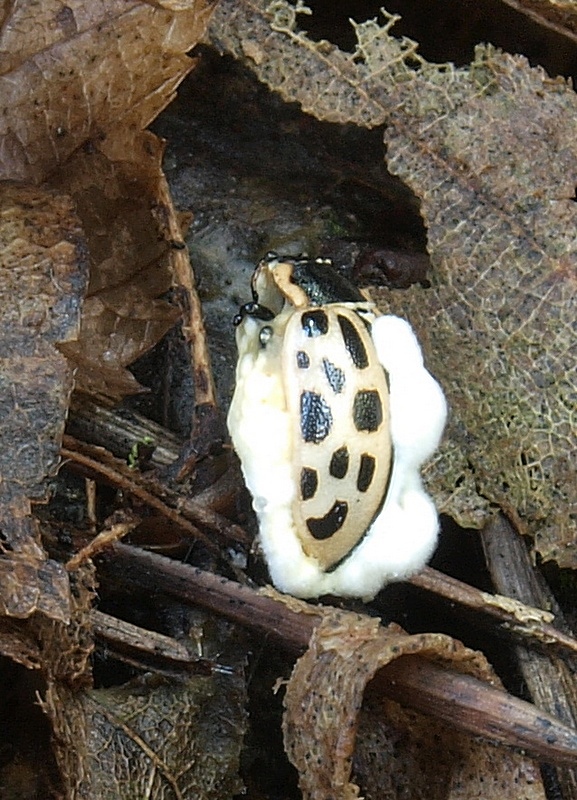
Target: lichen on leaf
{"type": "Point", "coordinates": [490, 151]}
{"type": "Point", "coordinates": [501, 317]}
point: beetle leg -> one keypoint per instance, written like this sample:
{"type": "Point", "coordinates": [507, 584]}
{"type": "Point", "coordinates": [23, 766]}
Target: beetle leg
{"type": "Point", "coordinates": [255, 310]}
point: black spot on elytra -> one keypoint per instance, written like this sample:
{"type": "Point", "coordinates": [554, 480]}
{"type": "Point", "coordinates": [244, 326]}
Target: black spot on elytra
{"type": "Point", "coordinates": [327, 526]}
{"type": "Point", "coordinates": [316, 417]}
{"type": "Point", "coordinates": [387, 379]}
{"type": "Point", "coordinates": [366, 472]}
{"type": "Point", "coordinates": [339, 463]}
{"type": "Point", "coordinates": [303, 361]}
{"type": "Point", "coordinates": [315, 323]}
{"type": "Point", "coordinates": [335, 376]}
{"type": "Point", "coordinates": [353, 343]}
{"type": "Point", "coordinates": [367, 410]}
{"type": "Point", "coordinates": [366, 322]}
{"type": "Point", "coordinates": [309, 483]}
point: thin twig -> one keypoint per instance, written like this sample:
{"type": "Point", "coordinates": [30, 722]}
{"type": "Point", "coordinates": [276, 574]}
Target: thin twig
{"type": "Point", "coordinates": [480, 710]}
{"type": "Point", "coordinates": [193, 325]}
{"type": "Point", "coordinates": [103, 539]}
{"type": "Point", "coordinates": [116, 478]}
{"type": "Point", "coordinates": [524, 620]}
{"type": "Point", "coordinates": [98, 461]}
{"type": "Point", "coordinates": [145, 649]}
{"type": "Point", "coordinates": [119, 430]}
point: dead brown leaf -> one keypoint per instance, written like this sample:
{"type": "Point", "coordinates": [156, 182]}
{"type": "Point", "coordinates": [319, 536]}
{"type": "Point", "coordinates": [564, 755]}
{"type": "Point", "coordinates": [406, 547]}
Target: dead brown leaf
{"type": "Point", "coordinates": [78, 87]}
{"type": "Point", "coordinates": [392, 752]}
{"type": "Point", "coordinates": [87, 71]}
{"type": "Point", "coordinates": [40, 704]}
{"type": "Point", "coordinates": [66, 673]}
{"type": "Point", "coordinates": [166, 739]}
{"type": "Point", "coordinates": [69, 75]}
{"type": "Point", "coordinates": [490, 150]}
{"type": "Point", "coordinates": [78, 84]}
{"type": "Point", "coordinates": [43, 278]}
{"type": "Point", "coordinates": [123, 314]}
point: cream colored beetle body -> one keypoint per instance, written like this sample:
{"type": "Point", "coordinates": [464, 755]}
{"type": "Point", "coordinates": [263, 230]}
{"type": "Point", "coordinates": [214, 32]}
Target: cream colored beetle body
{"type": "Point", "coordinates": [332, 416]}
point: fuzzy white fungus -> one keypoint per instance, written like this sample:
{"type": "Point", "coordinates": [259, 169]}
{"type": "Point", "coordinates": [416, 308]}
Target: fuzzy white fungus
{"type": "Point", "coordinates": [403, 535]}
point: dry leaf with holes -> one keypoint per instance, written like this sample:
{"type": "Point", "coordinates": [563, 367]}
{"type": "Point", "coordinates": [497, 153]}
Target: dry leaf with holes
{"type": "Point", "coordinates": [490, 150]}
{"type": "Point", "coordinates": [346, 748]}
{"type": "Point", "coordinates": [140, 731]}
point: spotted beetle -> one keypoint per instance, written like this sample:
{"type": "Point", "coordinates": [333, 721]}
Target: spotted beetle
{"type": "Point", "coordinates": [332, 416]}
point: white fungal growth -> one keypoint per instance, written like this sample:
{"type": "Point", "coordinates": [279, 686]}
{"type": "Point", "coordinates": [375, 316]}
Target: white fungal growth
{"type": "Point", "coordinates": [403, 534]}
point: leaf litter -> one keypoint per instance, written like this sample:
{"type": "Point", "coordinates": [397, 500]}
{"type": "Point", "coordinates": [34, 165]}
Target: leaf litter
{"type": "Point", "coordinates": [78, 85]}
{"type": "Point", "coordinates": [429, 114]}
